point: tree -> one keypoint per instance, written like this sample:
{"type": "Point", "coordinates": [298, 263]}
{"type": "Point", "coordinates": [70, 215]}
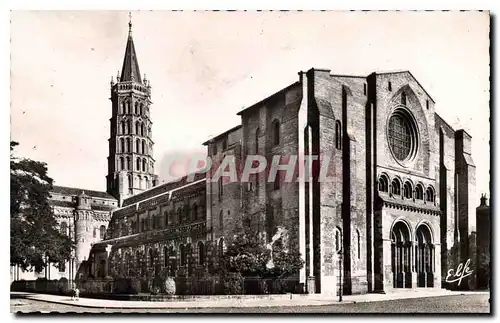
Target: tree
{"type": "Point", "coordinates": [35, 239]}
{"type": "Point", "coordinates": [250, 256]}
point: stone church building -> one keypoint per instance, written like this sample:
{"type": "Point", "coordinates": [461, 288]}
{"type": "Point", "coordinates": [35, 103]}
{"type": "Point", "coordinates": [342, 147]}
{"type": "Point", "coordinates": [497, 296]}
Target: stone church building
{"type": "Point", "coordinates": [398, 213]}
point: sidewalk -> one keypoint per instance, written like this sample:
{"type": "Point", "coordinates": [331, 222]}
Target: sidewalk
{"type": "Point", "coordinates": [302, 300]}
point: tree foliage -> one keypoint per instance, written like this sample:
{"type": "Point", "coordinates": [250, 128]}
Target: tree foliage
{"type": "Point", "coordinates": [35, 240]}
{"type": "Point", "coordinates": [250, 256]}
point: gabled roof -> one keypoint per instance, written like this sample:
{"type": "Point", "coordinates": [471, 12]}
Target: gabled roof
{"type": "Point", "coordinates": [266, 99]}
{"type": "Point", "coordinates": [130, 69]}
{"type": "Point", "coordinates": [222, 134]}
{"type": "Point", "coordinates": [403, 71]}
{"type": "Point", "coordinates": [64, 190]}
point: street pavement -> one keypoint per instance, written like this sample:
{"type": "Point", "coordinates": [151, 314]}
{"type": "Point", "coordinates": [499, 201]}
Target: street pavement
{"type": "Point", "coordinates": [472, 302]}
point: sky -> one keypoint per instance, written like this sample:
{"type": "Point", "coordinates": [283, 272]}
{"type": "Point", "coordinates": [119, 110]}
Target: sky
{"type": "Point", "coordinates": [204, 67]}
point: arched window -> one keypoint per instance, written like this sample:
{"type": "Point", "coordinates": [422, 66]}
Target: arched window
{"type": "Point", "coordinates": [122, 163]}
{"type": "Point", "coordinates": [123, 127]}
{"type": "Point", "coordinates": [137, 145]}
{"type": "Point", "coordinates": [429, 194]}
{"type": "Point", "coordinates": [419, 192]}
{"type": "Point", "coordinates": [151, 258]}
{"type": "Point", "coordinates": [178, 215]}
{"type": "Point", "coordinates": [102, 232]}
{"type": "Point", "coordinates": [338, 134]}
{"type": "Point", "coordinates": [185, 214]}
{"type": "Point", "coordinates": [195, 212]}
{"type": "Point", "coordinates": [408, 191]}
{"type": "Point", "coordinates": [124, 111]}
{"type": "Point", "coordinates": [129, 167]}
{"type": "Point", "coordinates": [141, 111]}
{"type": "Point", "coordinates": [122, 145]}
{"type": "Point", "coordinates": [143, 165]}
{"type": "Point", "coordinates": [144, 146]}
{"type": "Point", "coordinates": [136, 108]}
{"type": "Point", "coordinates": [182, 252]}
{"type": "Point", "coordinates": [383, 184]}
{"type": "Point", "coordinates": [129, 130]}
{"type": "Point", "coordinates": [395, 187]}
{"type": "Point", "coordinates": [276, 133]}
{"type": "Point", "coordinates": [403, 98]}
{"type": "Point", "coordinates": [138, 163]}
{"type": "Point", "coordinates": [142, 129]}
{"type": "Point", "coordinates": [201, 253]}
{"type": "Point", "coordinates": [137, 127]}
{"type": "Point", "coordinates": [129, 145]}
{"type": "Point", "coordinates": [128, 107]}
{"type": "Point", "coordinates": [64, 228]}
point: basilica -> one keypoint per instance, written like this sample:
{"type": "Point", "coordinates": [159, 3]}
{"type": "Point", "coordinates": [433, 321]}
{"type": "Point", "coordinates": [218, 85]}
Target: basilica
{"type": "Point", "coordinates": [399, 212]}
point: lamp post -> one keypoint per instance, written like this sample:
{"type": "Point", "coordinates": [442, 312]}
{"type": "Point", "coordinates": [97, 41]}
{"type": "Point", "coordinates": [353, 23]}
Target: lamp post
{"type": "Point", "coordinates": [340, 275]}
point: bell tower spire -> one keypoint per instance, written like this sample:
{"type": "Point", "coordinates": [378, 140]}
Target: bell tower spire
{"type": "Point", "coordinates": [130, 161]}
{"type": "Point", "coordinates": [130, 24]}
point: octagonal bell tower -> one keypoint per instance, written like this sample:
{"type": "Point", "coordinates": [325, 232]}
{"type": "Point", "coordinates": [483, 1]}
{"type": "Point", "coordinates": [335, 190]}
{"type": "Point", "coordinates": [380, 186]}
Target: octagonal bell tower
{"type": "Point", "coordinates": [130, 142]}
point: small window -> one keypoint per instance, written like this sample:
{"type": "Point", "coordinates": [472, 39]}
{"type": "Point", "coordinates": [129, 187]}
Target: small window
{"type": "Point", "coordinates": [427, 104]}
{"type": "Point", "coordinates": [389, 86]}
{"type": "Point", "coordinates": [364, 88]}
{"type": "Point", "coordinates": [338, 240]}
{"type": "Point", "coordinates": [276, 132]}
{"type": "Point", "coordinates": [338, 134]}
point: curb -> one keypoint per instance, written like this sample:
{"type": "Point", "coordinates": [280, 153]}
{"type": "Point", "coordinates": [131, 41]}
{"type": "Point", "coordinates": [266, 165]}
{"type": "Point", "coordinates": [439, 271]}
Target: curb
{"type": "Point", "coordinates": [322, 303]}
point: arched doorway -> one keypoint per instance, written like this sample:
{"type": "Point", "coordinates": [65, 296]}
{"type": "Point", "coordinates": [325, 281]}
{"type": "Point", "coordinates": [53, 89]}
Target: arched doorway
{"type": "Point", "coordinates": [424, 257]}
{"type": "Point", "coordinates": [401, 255]}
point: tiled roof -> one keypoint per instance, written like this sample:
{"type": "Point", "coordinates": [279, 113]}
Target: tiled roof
{"type": "Point", "coordinates": [161, 189]}
{"type": "Point", "coordinates": [62, 203]}
{"type": "Point", "coordinates": [103, 207]}
{"type": "Point", "coordinates": [77, 191]}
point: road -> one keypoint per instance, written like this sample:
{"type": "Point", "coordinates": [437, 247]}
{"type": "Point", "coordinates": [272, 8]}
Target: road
{"type": "Point", "coordinates": [444, 304]}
